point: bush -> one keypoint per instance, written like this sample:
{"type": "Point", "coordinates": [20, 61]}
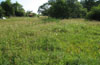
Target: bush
{"type": "Point", "coordinates": [94, 14]}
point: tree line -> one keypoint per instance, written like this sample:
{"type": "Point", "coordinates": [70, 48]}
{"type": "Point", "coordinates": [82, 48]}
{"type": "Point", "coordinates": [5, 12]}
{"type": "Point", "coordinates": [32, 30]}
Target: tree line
{"type": "Point", "coordinates": [11, 9]}
{"type": "Point", "coordinates": [8, 9]}
{"type": "Point", "coordinates": [89, 9]}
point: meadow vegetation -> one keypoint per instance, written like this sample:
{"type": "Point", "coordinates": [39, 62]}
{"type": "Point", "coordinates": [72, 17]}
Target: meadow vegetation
{"type": "Point", "coordinates": [47, 41]}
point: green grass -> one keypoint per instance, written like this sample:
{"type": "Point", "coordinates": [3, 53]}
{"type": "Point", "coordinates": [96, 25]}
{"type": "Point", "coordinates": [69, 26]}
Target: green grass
{"type": "Point", "coordinates": [42, 41]}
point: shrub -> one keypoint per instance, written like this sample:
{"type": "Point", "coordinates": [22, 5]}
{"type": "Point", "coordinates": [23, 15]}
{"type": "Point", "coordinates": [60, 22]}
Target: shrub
{"type": "Point", "coordinates": [94, 14]}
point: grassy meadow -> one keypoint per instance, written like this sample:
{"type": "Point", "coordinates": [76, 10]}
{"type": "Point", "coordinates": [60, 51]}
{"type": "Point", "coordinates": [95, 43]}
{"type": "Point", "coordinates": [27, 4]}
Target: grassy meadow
{"type": "Point", "coordinates": [43, 41]}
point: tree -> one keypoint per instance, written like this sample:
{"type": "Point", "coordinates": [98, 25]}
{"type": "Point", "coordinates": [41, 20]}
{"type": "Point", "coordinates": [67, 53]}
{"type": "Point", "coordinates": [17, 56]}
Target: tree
{"type": "Point", "coordinates": [18, 10]}
{"type": "Point", "coordinates": [44, 9]}
{"type": "Point", "coordinates": [7, 7]}
{"type": "Point", "coordinates": [88, 4]}
{"type": "Point", "coordinates": [94, 14]}
{"type": "Point", "coordinates": [71, 2]}
{"type": "Point", "coordinates": [12, 9]}
{"type": "Point", "coordinates": [59, 9]}
{"type": "Point", "coordinates": [76, 10]}
{"type": "Point", "coordinates": [52, 0]}
{"type": "Point", "coordinates": [54, 9]}
{"type": "Point", "coordinates": [63, 9]}
{"type": "Point", "coordinates": [97, 2]}
{"type": "Point", "coordinates": [1, 12]}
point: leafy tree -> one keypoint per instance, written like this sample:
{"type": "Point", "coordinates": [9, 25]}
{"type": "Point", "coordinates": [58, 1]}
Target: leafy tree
{"type": "Point", "coordinates": [94, 14]}
{"type": "Point", "coordinates": [71, 2]}
{"type": "Point", "coordinates": [18, 10]}
{"type": "Point", "coordinates": [12, 9]}
{"type": "Point", "coordinates": [76, 10]}
{"type": "Point", "coordinates": [88, 4]}
{"type": "Point", "coordinates": [52, 0]}
{"type": "Point", "coordinates": [44, 9]}
{"type": "Point", "coordinates": [1, 12]}
{"type": "Point", "coordinates": [97, 2]}
{"type": "Point", "coordinates": [54, 9]}
{"type": "Point", "coordinates": [7, 6]}
{"type": "Point", "coordinates": [63, 9]}
{"type": "Point", "coordinates": [59, 9]}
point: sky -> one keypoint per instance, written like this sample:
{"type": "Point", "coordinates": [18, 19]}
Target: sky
{"type": "Point", "coordinates": [30, 5]}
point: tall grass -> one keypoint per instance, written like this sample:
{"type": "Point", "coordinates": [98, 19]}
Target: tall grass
{"type": "Point", "coordinates": [30, 41]}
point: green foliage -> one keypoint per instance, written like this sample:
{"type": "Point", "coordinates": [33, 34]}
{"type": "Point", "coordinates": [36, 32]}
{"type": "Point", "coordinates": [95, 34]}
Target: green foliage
{"type": "Point", "coordinates": [63, 9]}
{"type": "Point", "coordinates": [7, 6]}
{"type": "Point", "coordinates": [44, 9]}
{"type": "Point", "coordinates": [94, 14]}
{"type": "Point", "coordinates": [59, 9]}
{"type": "Point", "coordinates": [97, 2]}
{"type": "Point", "coordinates": [1, 12]}
{"type": "Point", "coordinates": [18, 10]}
{"type": "Point", "coordinates": [76, 10]}
{"type": "Point", "coordinates": [10, 9]}
{"type": "Point", "coordinates": [88, 4]}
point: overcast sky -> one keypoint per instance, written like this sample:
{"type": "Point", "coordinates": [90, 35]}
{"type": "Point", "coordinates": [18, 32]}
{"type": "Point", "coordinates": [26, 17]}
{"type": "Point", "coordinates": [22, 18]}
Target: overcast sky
{"type": "Point", "coordinates": [31, 5]}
